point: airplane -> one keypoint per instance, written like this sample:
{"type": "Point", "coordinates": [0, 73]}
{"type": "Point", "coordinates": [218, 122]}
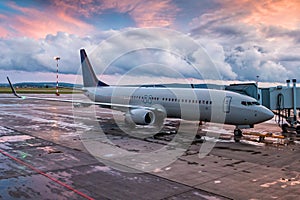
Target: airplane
{"type": "Point", "coordinates": [149, 106]}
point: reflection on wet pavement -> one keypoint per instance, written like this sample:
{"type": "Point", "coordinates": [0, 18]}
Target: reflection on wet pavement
{"type": "Point", "coordinates": [42, 157]}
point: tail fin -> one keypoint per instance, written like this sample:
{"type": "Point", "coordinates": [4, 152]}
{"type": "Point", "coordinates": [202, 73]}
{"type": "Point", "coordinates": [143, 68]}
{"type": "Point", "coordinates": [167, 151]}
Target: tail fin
{"type": "Point", "coordinates": [89, 77]}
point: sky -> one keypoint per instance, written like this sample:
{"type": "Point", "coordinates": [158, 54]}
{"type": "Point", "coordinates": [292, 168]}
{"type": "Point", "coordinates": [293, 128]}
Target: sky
{"type": "Point", "coordinates": [243, 38]}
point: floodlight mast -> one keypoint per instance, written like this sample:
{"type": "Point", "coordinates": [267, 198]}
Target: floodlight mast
{"type": "Point", "coordinates": [57, 58]}
{"type": "Point", "coordinates": [257, 77]}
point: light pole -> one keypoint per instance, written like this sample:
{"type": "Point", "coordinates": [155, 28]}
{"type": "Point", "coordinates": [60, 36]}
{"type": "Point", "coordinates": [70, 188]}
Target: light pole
{"type": "Point", "coordinates": [57, 58]}
{"type": "Point", "coordinates": [257, 77]}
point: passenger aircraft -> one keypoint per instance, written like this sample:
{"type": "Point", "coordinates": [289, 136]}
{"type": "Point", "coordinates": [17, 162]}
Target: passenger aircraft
{"type": "Point", "coordinates": [151, 105]}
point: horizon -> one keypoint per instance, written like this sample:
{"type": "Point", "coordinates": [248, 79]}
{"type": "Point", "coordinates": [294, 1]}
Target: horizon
{"type": "Point", "coordinates": [185, 82]}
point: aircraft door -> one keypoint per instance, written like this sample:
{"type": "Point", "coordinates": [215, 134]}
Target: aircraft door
{"type": "Point", "coordinates": [226, 104]}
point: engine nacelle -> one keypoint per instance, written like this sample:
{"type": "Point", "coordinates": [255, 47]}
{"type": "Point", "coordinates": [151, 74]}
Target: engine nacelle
{"type": "Point", "coordinates": [140, 117]}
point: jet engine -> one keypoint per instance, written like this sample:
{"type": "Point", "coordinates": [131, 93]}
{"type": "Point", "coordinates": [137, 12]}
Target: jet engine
{"type": "Point", "coordinates": [140, 117]}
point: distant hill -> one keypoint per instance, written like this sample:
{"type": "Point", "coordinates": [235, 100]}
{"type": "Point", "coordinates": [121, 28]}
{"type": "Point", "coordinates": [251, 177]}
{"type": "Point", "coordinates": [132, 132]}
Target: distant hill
{"type": "Point", "coordinates": [41, 85]}
{"type": "Point", "coordinates": [71, 85]}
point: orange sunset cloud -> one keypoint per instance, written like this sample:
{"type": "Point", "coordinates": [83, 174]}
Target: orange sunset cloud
{"type": "Point", "coordinates": [145, 13]}
{"type": "Point", "coordinates": [283, 13]}
{"type": "Point", "coordinates": [38, 23]}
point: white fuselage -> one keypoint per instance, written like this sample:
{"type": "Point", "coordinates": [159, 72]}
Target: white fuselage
{"type": "Point", "coordinates": [188, 103]}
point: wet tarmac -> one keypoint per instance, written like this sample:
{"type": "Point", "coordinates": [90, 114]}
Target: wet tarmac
{"type": "Point", "coordinates": [43, 155]}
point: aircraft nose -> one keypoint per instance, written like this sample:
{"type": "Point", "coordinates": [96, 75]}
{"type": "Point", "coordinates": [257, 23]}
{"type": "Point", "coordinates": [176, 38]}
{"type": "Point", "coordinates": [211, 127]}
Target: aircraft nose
{"type": "Point", "coordinates": [266, 114]}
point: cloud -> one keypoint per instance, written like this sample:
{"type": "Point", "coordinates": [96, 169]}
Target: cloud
{"type": "Point", "coordinates": [217, 54]}
{"type": "Point", "coordinates": [37, 23]}
{"type": "Point", "coordinates": [277, 33]}
{"type": "Point", "coordinates": [145, 13]}
{"type": "Point", "coordinates": [139, 52]}
{"type": "Point", "coordinates": [283, 13]}
{"type": "Point", "coordinates": [250, 61]}
{"type": "Point", "coordinates": [30, 55]}
{"type": "Point", "coordinates": [160, 52]}
{"type": "Point", "coordinates": [82, 16]}
{"type": "Point", "coordinates": [142, 53]}
{"type": "Point", "coordinates": [243, 38]}
{"type": "Point", "coordinates": [3, 32]}
{"type": "Point", "coordinates": [256, 37]}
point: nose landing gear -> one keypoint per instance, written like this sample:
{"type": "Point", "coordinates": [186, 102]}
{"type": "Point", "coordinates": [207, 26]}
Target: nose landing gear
{"type": "Point", "coordinates": [238, 134]}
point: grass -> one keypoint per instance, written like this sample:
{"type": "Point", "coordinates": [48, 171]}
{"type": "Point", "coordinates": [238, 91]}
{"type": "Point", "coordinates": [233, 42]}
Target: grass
{"type": "Point", "coordinates": [6, 90]}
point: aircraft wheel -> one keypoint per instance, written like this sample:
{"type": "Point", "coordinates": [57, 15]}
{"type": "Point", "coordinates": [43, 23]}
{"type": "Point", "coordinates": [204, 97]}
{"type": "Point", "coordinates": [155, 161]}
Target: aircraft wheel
{"type": "Point", "coordinates": [237, 135]}
{"type": "Point", "coordinates": [298, 130]}
{"type": "Point", "coordinates": [284, 128]}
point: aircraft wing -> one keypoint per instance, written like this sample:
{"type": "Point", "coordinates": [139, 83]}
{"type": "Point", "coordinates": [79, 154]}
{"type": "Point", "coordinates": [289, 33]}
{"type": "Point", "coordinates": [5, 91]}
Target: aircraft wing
{"type": "Point", "coordinates": [81, 102]}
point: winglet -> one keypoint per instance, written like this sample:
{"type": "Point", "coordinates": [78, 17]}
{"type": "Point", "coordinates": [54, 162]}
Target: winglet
{"type": "Point", "coordinates": [13, 89]}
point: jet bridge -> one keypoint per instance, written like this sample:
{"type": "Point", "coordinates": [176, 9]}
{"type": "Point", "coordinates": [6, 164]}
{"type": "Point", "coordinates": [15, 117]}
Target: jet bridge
{"type": "Point", "coordinates": [284, 101]}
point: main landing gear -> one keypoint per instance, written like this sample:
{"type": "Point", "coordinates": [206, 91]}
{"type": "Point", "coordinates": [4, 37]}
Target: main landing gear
{"type": "Point", "coordinates": [238, 134]}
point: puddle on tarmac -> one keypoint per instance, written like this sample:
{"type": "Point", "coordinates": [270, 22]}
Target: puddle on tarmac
{"type": "Point", "coordinates": [207, 197]}
{"type": "Point", "coordinates": [99, 168]}
{"type": "Point", "coordinates": [42, 120]}
{"type": "Point", "coordinates": [49, 149]}
{"type": "Point", "coordinates": [4, 130]}
{"type": "Point", "coordinates": [15, 138]}
{"type": "Point", "coordinates": [31, 187]}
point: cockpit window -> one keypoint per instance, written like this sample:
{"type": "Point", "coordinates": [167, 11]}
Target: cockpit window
{"type": "Point", "coordinates": [249, 103]}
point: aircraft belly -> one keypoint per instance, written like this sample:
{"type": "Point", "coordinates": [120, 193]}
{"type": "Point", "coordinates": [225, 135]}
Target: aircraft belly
{"type": "Point", "coordinates": [173, 111]}
{"type": "Point", "coordinates": [184, 112]}
{"type": "Point", "coordinates": [235, 117]}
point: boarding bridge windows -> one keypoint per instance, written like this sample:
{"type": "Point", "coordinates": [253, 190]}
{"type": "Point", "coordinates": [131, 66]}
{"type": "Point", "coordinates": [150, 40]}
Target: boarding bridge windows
{"type": "Point", "coordinates": [226, 105]}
